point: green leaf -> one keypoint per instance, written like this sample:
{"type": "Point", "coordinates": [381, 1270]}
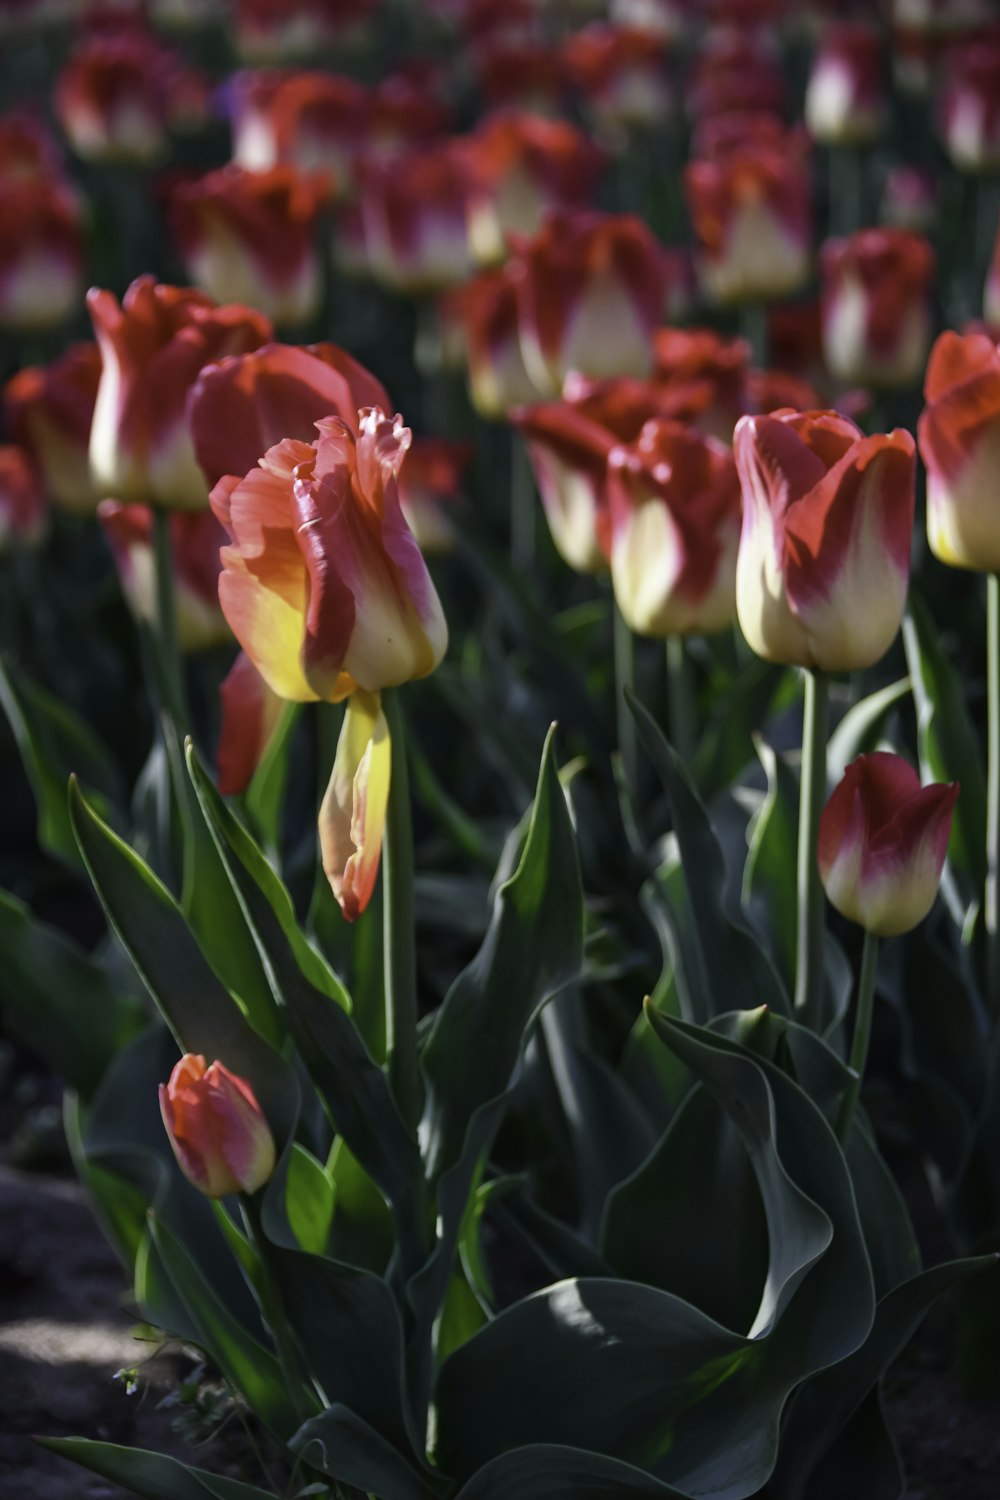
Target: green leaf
{"type": "Point", "coordinates": [151, 1475]}
{"type": "Point", "coordinates": [859, 730]}
{"type": "Point", "coordinates": [769, 897]}
{"type": "Point", "coordinates": [266, 793]}
{"type": "Point", "coordinates": [54, 742]}
{"type": "Point", "coordinates": [461, 1316]}
{"type": "Point", "coordinates": [720, 964]}
{"type": "Point", "coordinates": [542, 1471]}
{"type": "Point", "coordinates": [202, 1015]}
{"type": "Point", "coordinates": [949, 745]}
{"type": "Point", "coordinates": [310, 1198]}
{"type": "Point", "coordinates": [58, 1001]}
{"type": "Point", "coordinates": [340, 1444]}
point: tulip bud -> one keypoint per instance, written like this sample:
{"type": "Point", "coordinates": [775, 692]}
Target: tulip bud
{"type": "Point", "coordinates": [876, 307]}
{"type": "Point", "coordinates": [112, 99]}
{"type": "Point", "coordinates": [323, 584]}
{"type": "Point", "coordinates": [41, 254]}
{"type": "Point", "coordinates": [969, 113]}
{"type": "Point", "coordinates": [675, 527]}
{"type": "Point", "coordinates": [414, 208]}
{"type": "Point", "coordinates": [217, 1129]}
{"type": "Point", "coordinates": [196, 537]}
{"type": "Point", "coordinates": [49, 410]}
{"type": "Point", "coordinates": [319, 123]}
{"type": "Point", "coordinates": [251, 237]}
{"type": "Point", "coordinates": [353, 811]}
{"type": "Point", "coordinates": [824, 556]}
{"type": "Point", "coordinates": [882, 844]}
{"type": "Point", "coordinates": [23, 518]}
{"type": "Point", "coordinates": [845, 96]}
{"type": "Point", "coordinates": [959, 434]}
{"type": "Point", "coordinates": [487, 310]}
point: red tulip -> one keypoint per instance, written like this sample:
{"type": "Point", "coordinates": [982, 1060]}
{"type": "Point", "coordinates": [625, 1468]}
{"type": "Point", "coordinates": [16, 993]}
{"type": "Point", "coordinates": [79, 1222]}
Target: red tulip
{"type": "Point", "coordinates": [269, 31]}
{"type": "Point", "coordinates": [153, 347]}
{"type": "Point", "coordinates": [253, 95]}
{"type": "Point", "coordinates": [414, 208]}
{"type": "Point", "coordinates": [487, 309]}
{"type": "Point", "coordinates": [959, 435]}
{"type": "Point", "coordinates": [196, 537]}
{"type": "Point", "coordinates": [319, 123]}
{"type": "Point", "coordinates": [217, 1129]}
{"type": "Point", "coordinates": [404, 113]}
{"type": "Point", "coordinates": [250, 715]}
{"type": "Point", "coordinates": [882, 844]}
{"type": "Point", "coordinates": [876, 306]}
{"type": "Point", "coordinates": [430, 481]}
{"type": "Point", "coordinates": [824, 556]}
{"type": "Point", "coordinates": [23, 516]}
{"type": "Point", "coordinates": [48, 410]}
{"type": "Point", "coordinates": [524, 75]}
{"type": "Point", "coordinates": [737, 70]}
{"type": "Point", "coordinates": [675, 528]}
{"type": "Point", "coordinates": [663, 19]}
{"type": "Point", "coordinates": [27, 150]}
{"type": "Point", "coordinates": [622, 74]}
{"type": "Point", "coordinates": [41, 254]}
{"type": "Point", "coordinates": [113, 98]}
{"type": "Point", "coordinates": [845, 98]}
{"type": "Point", "coordinates": [591, 289]}
{"type": "Point", "coordinates": [970, 107]}
{"type": "Point", "coordinates": [700, 378]}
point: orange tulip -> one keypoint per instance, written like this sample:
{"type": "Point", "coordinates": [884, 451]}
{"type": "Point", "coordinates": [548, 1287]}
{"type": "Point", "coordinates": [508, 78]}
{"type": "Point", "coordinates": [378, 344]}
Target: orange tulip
{"type": "Point", "coordinates": [196, 537]}
{"type": "Point", "coordinates": [217, 1129]}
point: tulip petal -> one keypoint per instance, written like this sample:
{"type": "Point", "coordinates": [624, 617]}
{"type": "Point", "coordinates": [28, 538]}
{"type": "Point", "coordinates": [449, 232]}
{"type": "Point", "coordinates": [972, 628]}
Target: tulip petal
{"type": "Point", "coordinates": [352, 816]}
{"type": "Point", "coordinates": [250, 714]}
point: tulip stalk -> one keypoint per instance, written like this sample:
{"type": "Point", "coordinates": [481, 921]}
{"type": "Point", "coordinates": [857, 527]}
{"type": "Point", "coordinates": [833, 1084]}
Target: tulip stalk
{"type": "Point", "coordinates": [680, 708]}
{"type": "Point", "coordinates": [809, 950]}
{"type": "Point", "coordinates": [399, 936]}
{"type": "Point", "coordinates": [861, 1038]}
{"type": "Point", "coordinates": [522, 505]}
{"type": "Point", "coordinates": [992, 892]}
{"type": "Point", "coordinates": [266, 1284]}
{"type": "Point", "coordinates": [166, 619]}
{"type": "Point", "coordinates": [628, 745]}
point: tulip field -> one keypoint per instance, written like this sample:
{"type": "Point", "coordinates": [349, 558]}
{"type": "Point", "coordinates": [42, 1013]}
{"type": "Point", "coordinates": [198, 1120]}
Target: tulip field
{"type": "Point", "coordinates": [500, 733]}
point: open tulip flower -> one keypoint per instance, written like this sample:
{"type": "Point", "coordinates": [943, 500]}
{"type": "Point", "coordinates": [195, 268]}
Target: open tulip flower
{"type": "Point", "coordinates": [675, 528]}
{"type": "Point", "coordinates": [876, 306]}
{"type": "Point", "coordinates": [153, 346]}
{"type": "Point", "coordinates": [824, 556]}
{"type": "Point", "coordinates": [218, 1132]}
{"type": "Point", "coordinates": [251, 237]}
{"type": "Point", "coordinates": [882, 844]}
{"type": "Point", "coordinates": [196, 538]}
{"type": "Point", "coordinates": [591, 289]}
{"type": "Point", "coordinates": [48, 410]}
{"type": "Point", "coordinates": [959, 436]}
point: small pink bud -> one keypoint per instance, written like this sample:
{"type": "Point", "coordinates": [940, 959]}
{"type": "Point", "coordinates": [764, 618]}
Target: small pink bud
{"type": "Point", "coordinates": [217, 1129]}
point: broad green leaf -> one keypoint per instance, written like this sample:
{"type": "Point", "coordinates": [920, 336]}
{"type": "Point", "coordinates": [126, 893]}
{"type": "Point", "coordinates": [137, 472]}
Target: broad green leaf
{"type": "Point", "coordinates": [720, 964]}
{"type": "Point", "coordinates": [363, 1229]}
{"type": "Point", "coordinates": [54, 743]}
{"type": "Point", "coordinates": [859, 730]}
{"type": "Point", "coordinates": [202, 1015]}
{"type": "Point", "coordinates": [542, 1471]}
{"type": "Point", "coordinates": [949, 745]}
{"type": "Point", "coordinates": [340, 1444]}
{"type": "Point", "coordinates": [310, 1199]}
{"type": "Point", "coordinates": [461, 1316]}
{"type": "Point", "coordinates": [266, 792]}
{"type": "Point", "coordinates": [154, 1476]}
{"type": "Point", "coordinates": [769, 897]}
{"type": "Point", "coordinates": [58, 1001]}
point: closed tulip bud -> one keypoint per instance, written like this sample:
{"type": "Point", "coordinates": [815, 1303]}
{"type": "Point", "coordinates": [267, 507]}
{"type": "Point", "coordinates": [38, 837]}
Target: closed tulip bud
{"type": "Point", "coordinates": [882, 844]}
{"type": "Point", "coordinates": [414, 208]}
{"type": "Point", "coordinates": [323, 584]}
{"type": "Point", "coordinates": [218, 1132]}
{"type": "Point", "coordinates": [591, 289]}
{"type": "Point", "coordinates": [487, 309]}
{"type": "Point", "coordinates": [353, 811]}
{"type": "Point", "coordinates": [112, 99]}
{"type": "Point", "coordinates": [23, 516]}
{"type": "Point", "coordinates": [251, 237]}
{"type": "Point", "coordinates": [959, 435]}
{"type": "Point", "coordinates": [845, 98]}
{"type": "Point", "coordinates": [41, 254]}
{"type": "Point", "coordinates": [48, 410]}
{"type": "Point", "coordinates": [751, 213]}
{"type": "Point", "coordinates": [196, 537]}
{"type": "Point", "coordinates": [824, 557]}
{"type": "Point", "coordinates": [675, 529]}
{"type": "Point", "coordinates": [970, 107]}
{"type": "Point", "coordinates": [876, 307]}
{"type": "Point", "coordinates": [153, 347]}
{"type": "Point", "coordinates": [520, 167]}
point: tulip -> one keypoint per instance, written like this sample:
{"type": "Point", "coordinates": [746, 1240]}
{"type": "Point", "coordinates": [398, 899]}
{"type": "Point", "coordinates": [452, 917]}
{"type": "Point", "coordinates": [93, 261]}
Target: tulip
{"type": "Point", "coordinates": [270, 31]}
{"type": "Point", "coordinates": [622, 74]}
{"type": "Point", "coordinates": [250, 715]}
{"type": "Point", "coordinates": [196, 538]}
{"type": "Point", "coordinates": [487, 309]}
{"type": "Point", "coordinates": [253, 96]}
{"type": "Point", "coordinates": [430, 481]}
{"type": "Point", "coordinates": [245, 404]}
{"type": "Point", "coordinates": [737, 70]}
{"type": "Point", "coordinates": [876, 306]}
{"type": "Point", "coordinates": [152, 348]}
{"type": "Point", "coordinates": [882, 844]}
{"type": "Point", "coordinates": [112, 99]}
{"type": "Point", "coordinates": [675, 529]}
{"type": "Point", "coordinates": [27, 150]}
{"type": "Point", "coordinates": [526, 75]}
{"type": "Point", "coordinates": [218, 1132]}
{"type": "Point", "coordinates": [319, 122]}
{"type": "Point", "coordinates": [664, 19]}
{"type": "Point", "coordinates": [403, 114]}
{"type": "Point", "coordinates": [251, 236]}
{"type": "Point", "coordinates": [823, 565]}
{"type": "Point", "coordinates": [353, 812]}
{"type": "Point", "coordinates": [845, 96]}
{"type": "Point", "coordinates": [48, 410]}
{"type": "Point", "coordinates": [970, 108]}
{"type": "Point", "coordinates": [414, 208]}
{"type": "Point", "coordinates": [23, 516]}
{"type": "Point", "coordinates": [569, 443]}
{"type": "Point", "coordinates": [959, 435]}
{"type": "Point", "coordinates": [41, 254]}
{"type": "Point", "coordinates": [700, 378]}
{"type": "Point", "coordinates": [909, 198]}
{"type": "Point", "coordinates": [519, 167]}
{"type": "Point", "coordinates": [591, 289]}
{"type": "Point", "coordinates": [323, 584]}
{"type": "Point", "coordinates": [751, 214]}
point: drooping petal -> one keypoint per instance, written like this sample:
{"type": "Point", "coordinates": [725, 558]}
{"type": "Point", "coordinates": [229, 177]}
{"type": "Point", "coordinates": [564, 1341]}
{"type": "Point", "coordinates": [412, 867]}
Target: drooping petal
{"type": "Point", "coordinates": [352, 816]}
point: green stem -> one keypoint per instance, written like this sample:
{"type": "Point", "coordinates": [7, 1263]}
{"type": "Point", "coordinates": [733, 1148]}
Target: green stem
{"type": "Point", "coordinates": [399, 938]}
{"type": "Point", "coordinates": [753, 328]}
{"type": "Point", "coordinates": [680, 708]}
{"type": "Point", "coordinates": [165, 625]}
{"type": "Point", "coordinates": [992, 892]}
{"type": "Point", "coordinates": [809, 979]}
{"type": "Point", "coordinates": [862, 1036]}
{"type": "Point", "coordinates": [523, 507]}
{"type": "Point", "coordinates": [266, 1284]}
{"type": "Point", "coordinates": [628, 744]}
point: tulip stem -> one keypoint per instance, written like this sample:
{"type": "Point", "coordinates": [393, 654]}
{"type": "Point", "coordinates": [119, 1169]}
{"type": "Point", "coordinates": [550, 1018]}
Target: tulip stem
{"type": "Point", "coordinates": [171, 669]}
{"type": "Point", "coordinates": [628, 744]}
{"type": "Point", "coordinates": [680, 708]}
{"type": "Point", "coordinates": [266, 1284]}
{"type": "Point", "coordinates": [992, 892]}
{"type": "Point", "coordinates": [523, 507]}
{"type": "Point", "coordinates": [861, 1038]}
{"type": "Point", "coordinates": [809, 979]}
{"type": "Point", "coordinates": [399, 937]}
